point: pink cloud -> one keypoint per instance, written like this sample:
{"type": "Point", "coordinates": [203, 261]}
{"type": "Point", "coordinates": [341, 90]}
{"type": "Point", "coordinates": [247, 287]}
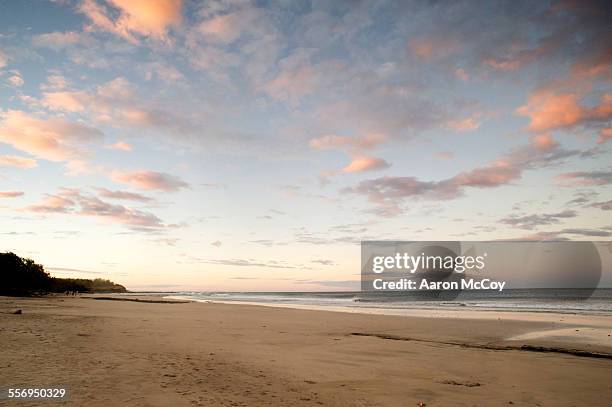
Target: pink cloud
{"type": "Point", "coordinates": [10, 194]}
{"type": "Point", "coordinates": [291, 85]}
{"type": "Point", "coordinates": [388, 192]}
{"type": "Point", "coordinates": [229, 27]}
{"type": "Point", "coordinates": [585, 178]}
{"type": "Point", "coordinates": [547, 110]}
{"type": "Point", "coordinates": [16, 80]}
{"type": "Point", "coordinates": [298, 76]}
{"type": "Point", "coordinates": [150, 180]}
{"type": "Point", "coordinates": [60, 40]}
{"type": "Point", "coordinates": [17, 162]}
{"type": "Point", "coordinates": [433, 48]}
{"type": "Point", "coordinates": [598, 64]}
{"type": "Point", "coordinates": [445, 155]}
{"type": "Point", "coordinates": [462, 74]}
{"type": "Point", "coordinates": [345, 143]}
{"type": "Point", "coordinates": [544, 141]}
{"type": "Point", "coordinates": [55, 82]}
{"type": "Point", "coordinates": [115, 94]}
{"type": "Point", "coordinates": [163, 71]}
{"type": "Point", "coordinates": [67, 101]}
{"type": "Point", "coordinates": [605, 135]}
{"type": "Point", "coordinates": [516, 58]}
{"type": "Point", "coordinates": [134, 17]}
{"type": "Point", "coordinates": [467, 124]}
{"type": "Point", "coordinates": [73, 202]}
{"type": "Point", "coordinates": [503, 64]}
{"type": "Point", "coordinates": [114, 102]}
{"type": "Point", "coordinates": [365, 163]}
{"type": "Point", "coordinates": [499, 173]}
{"type": "Point", "coordinates": [50, 139]}
{"type": "Point", "coordinates": [604, 206]}
{"type": "Point", "coordinates": [53, 204]}
{"type": "Point", "coordinates": [518, 54]}
{"type": "Point", "coordinates": [353, 146]}
{"type": "Point", "coordinates": [123, 195]}
{"type": "Point", "coordinates": [120, 145]}
{"type": "Point", "coordinates": [221, 28]}
{"type": "Point", "coordinates": [3, 59]}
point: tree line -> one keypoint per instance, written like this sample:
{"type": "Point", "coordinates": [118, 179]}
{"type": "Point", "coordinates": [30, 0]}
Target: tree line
{"type": "Point", "coordinates": [23, 277]}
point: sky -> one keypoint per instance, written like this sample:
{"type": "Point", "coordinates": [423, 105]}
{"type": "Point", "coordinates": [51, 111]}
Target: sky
{"type": "Point", "coordinates": [250, 146]}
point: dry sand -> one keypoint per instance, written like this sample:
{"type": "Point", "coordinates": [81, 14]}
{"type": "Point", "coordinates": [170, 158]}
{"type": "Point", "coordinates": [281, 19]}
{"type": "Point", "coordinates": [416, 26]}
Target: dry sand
{"type": "Point", "coordinates": [116, 353]}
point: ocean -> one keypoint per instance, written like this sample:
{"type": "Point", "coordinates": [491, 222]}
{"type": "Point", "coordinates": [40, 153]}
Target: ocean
{"type": "Point", "coordinates": [571, 301]}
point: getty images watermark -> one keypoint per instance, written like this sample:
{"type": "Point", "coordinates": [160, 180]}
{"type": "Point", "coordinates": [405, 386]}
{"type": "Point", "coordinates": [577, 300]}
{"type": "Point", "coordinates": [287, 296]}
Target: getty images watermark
{"type": "Point", "coordinates": [446, 269]}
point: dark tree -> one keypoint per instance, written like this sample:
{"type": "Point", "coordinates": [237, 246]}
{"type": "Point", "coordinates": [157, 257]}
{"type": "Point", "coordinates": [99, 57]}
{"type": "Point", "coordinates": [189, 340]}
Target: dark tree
{"type": "Point", "coordinates": [21, 276]}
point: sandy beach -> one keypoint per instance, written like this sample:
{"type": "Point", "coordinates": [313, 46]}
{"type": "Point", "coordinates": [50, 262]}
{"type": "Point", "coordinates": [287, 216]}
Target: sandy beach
{"type": "Point", "coordinates": [184, 354]}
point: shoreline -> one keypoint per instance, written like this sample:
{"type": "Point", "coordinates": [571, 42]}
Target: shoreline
{"type": "Point", "coordinates": [229, 354]}
{"type": "Point", "coordinates": [424, 312]}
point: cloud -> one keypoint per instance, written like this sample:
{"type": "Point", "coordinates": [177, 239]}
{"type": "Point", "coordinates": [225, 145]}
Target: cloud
{"type": "Point", "coordinates": [346, 143]}
{"type": "Point", "coordinates": [535, 220]}
{"type": "Point", "coordinates": [561, 234]}
{"type": "Point", "coordinates": [115, 103]}
{"type": "Point", "coordinates": [548, 110]}
{"type": "Point", "coordinates": [123, 195]}
{"type": "Point", "coordinates": [462, 74]}
{"type": "Point", "coordinates": [604, 206]}
{"type": "Point", "coordinates": [72, 201]}
{"type": "Point", "coordinates": [249, 263]}
{"type": "Point", "coordinates": [16, 80]}
{"type": "Point", "coordinates": [216, 243]}
{"type": "Point", "coordinates": [380, 190]}
{"type": "Point", "coordinates": [102, 101]}
{"type": "Point", "coordinates": [518, 55]}
{"type": "Point", "coordinates": [433, 47]}
{"type": "Point", "coordinates": [163, 71]}
{"type": "Point", "coordinates": [467, 124]}
{"type": "Point", "coordinates": [353, 146]}
{"type": "Point", "coordinates": [365, 163]}
{"type": "Point", "coordinates": [389, 192]}
{"type": "Point", "coordinates": [445, 155]}
{"type": "Point", "coordinates": [53, 139]}
{"type": "Point", "coordinates": [11, 194]}
{"type": "Point", "coordinates": [263, 242]}
{"type": "Point", "coordinates": [605, 135]}
{"type": "Point", "coordinates": [55, 82]}
{"type": "Point", "coordinates": [585, 178]}
{"type": "Point", "coordinates": [130, 19]}
{"type": "Point", "coordinates": [324, 262]}
{"type": "Point", "coordinates": [53, 204]}
{"type": "Point", "coordinates": [299, 77]}
{"type": "Point", "coordinates": [17, 162]}
{"type": "Point", "coordinates": [227, 28]}
{"type": "Point", "coordinates": [121, 146]}
{"type": "Point", "coordinates": [60, 40]}
{"type": "Point", "coordinates": [582, 197]}
{"type": "Point", "coordinates": [67, 101]}
{"type": "Point", "coordinates": [167, 241]}
{"type": "Point", "coordinates": [150, 180]}
{"type": "Point", "coordinates": [498, 173]}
